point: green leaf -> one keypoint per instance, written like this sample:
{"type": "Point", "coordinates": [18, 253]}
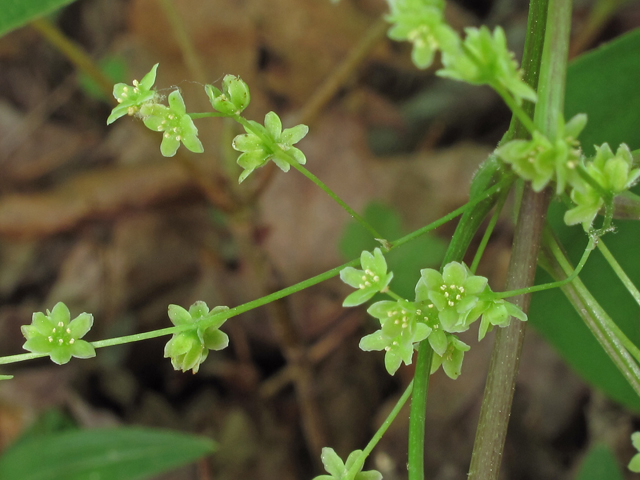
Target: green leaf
{"type": "Point", "coordinates": [102, 454]}
{"type": "Point", "coordinates": [599, 464]}
{"type": "Point", "coordinates": [604, 84]}
{"type": "Point", "coordinates": [17, 13]}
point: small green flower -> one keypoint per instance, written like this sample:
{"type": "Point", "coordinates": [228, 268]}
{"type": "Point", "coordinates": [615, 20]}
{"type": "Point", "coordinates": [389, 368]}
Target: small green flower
{"type": "Point", "coordinates": [372, 279]}
{"type": "Point", "coordinates": [188, 349]}
{"type": "Point", "coordinates": [402, 326]}
{"type": "Point", "coordinates": [176, 124]}
{"type": "Point", "coordinates": [495, 313]}
{"type": "Point", "coordinates": [132, 97]}
{"type": "Point", "coordinates": [269, 142]}
{"type": "Point", "coordinates": [233, 98]}
{"type": "Point", "coordinates": [338, 469]}
{"type": "Point", "coordinates": [454, 292]}
{"type": "Point", "coordinates": [634, 464]}
{"type": "Point", "coordinates": [541, 161]}
{"type": "Point", "coordinates": [484, 59]}
{"type": "Point", "coordinates": [614, 173]}
{"type": "Point", "coordinates": [54, 335]}
{"type": "Point", "coordinates": [421, 23]}
{"type": "Point", "coordinates": [451, 359]}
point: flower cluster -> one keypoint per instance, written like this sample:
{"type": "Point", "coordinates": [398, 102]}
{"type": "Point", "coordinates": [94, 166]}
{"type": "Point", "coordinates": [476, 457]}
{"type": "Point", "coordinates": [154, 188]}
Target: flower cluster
{"type": "Point", "coordinates": [269, 142]}
{"type": "Point", "coordinates": [484, 59]}
{"type": "Point", "coordinates": [541, 160]}
{"type": "Point", "coordinates": [189, 348]}
{"type": "Point", "coordinates": [372, 279]}
{"type": "Point", "coordinates": [141, 100]}
{"type": "Point", "coordinates": [338, 469]}
{"type": "Point", "coordinates": [614, 174]}
{"type": "Point", "coordinates": [422, 23]}
{"type": "Point", "coordinates": [233, 98]}
{"type": "Point", "coordinates": [54, 335]}
{"type": "Point", "coordinates": [445, 303]}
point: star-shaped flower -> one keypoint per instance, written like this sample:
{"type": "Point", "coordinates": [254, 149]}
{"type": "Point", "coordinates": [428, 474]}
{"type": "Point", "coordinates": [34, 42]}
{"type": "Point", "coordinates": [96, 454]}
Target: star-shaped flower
{"type": "Point", "coordinates": [541, 161]}
{"type": "Point", "coordinates": [484, 59]}
{"type": "Point", "coordinates": [454, 292]}
{"type": "Point", "coordinates": [451, 360]}
{"type": "Point", "coordinates": [614, 173]}
{"type": "Point", "coordinates": [53, 334]}
{"type": "Point", "coordinates": [373, 278]}
{"type": "Point", "coordinates": [338, 469]}
{"type": "Point", "coordinates": [174, 122]}
{"type": "Point", "coordinates": [402, 326]}
{"type": "Point", "coordinates": [188, 349]}
{"type": "Point", "coordinates": [132, 97]}
{"type": "Point", "coordinates": [269, 142]}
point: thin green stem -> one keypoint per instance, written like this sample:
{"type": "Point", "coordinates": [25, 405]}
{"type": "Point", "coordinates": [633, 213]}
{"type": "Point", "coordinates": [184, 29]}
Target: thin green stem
{"type": "Point", "coordinates": [393, 295]}
{"type": "Point", "coordinates": [549, 286]}
{"type": "Point", "coordinates": [417, 414]}
{"type": "Point", "coordinates": [355, 468]}
{"type": "Point", "coordinates": [220, 318]}
{"type": "Point", "coordinates": [615, 266]}
{"type": "Point", "coordinates": [489, 231]}
{"type": "Point", "coordinates": [294, 163]}
{"type": "Point", "coordinates": [613, 341]}
{"type": "Point", "coordinates": [207, 115]}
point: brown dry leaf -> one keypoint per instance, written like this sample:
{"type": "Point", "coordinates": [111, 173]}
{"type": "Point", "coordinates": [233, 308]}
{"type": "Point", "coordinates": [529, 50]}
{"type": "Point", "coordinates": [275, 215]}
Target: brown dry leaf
{"type": "Point", "coordinates": [99, 193]}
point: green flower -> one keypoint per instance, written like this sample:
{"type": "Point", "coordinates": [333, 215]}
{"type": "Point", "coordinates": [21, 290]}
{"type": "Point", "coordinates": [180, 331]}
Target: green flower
{"type": "Point", "coordinates": [402, 326]}
{"type": "Point", "coordinates": [174, 122]}
{"type": "Point", "coordinates": [54, 335]}
{"type": "Point", "coordinates": [369, 281]}
{"type": "Point", "coordinates": [269, 142]}
{"type": "Point", "coordinates": [338, 469]}
{"type": "Point", "coordinates": [614, 173]}
{"type": "Point", "coordinates": [451, 359]}
{"type": "Point", "coordinates": [495, 313]}
{"type": "Point", "coordinates": [189, 348]}
{"type": "Point", "coordinates": [483, 59]}
{"type": "Point", "coordinates": [454, 292]}
{"type": "Point", "coordinates": [634, 464]}
{"type": "Point", "coordinates": [421, 23]}
{"type": "Point", "coordinates": [132, 97]}
{"type": "Point", "coordinates": [541, 161]}
{"type": "Point", "coordinates": [233, 98]}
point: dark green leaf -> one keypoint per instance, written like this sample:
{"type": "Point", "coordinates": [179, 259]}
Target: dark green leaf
{"type": "Point", "coordinates": [599, 464]}
{"type": "Point", "coordinates": [17, 13]}
{"type": "Point", "coordinates": [120, 453]}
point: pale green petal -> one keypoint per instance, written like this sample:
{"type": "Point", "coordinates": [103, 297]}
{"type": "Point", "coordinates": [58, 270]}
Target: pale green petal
{"type": "Point", "coordinates": [81, 325]}
{"type": "Point", "coordinates": [198, 309]}
{"type": "Point", "coordinates": [333, 464]}
{"type": "Point", "coordinates": [422, 331]}
{"type": "Point", "coordinates": [61, 354]}
{"type": "Point", "coordinates": [247, 142]}
{"type": "Point", "coordinates": [358, 297]}
{"type": "Point", "coordinates": [214, 339]}
{"type": "Point", "coordinates": [432, 278]}
{"type": "Point", "coordinates": [351, 276]}
{"type": "Point", "coordinates": [352, 458]}
{"type": "Point", "coordinates": [374, 342]}
{"type": "Point", "coordinates": [150, 78]}
{"type": "Point", "coordinates": [42, 323]}
{"type": "Point", "coordinates": [273, 125]}
{"type": "Point", "coordinates": [60, 314]}
{"type": "Point", "coordinates": [454, 273]}
{"type": "Point", "coordinates": [169, 146]}
{"type": "Point", "coordinates": [179, 315]}
{"type": "Point", "coordinates": [176, 103]}
{"type": "Point", "coordinates": [82, 349]}
{"type": "Point", "coordinates": [192, 142]}
{"type": "Point", "coordinates": [293, 135]}
{"type": "Point", "coordinates": [38, 344]}
{"type": "Point", "coordinates": [438, 341]}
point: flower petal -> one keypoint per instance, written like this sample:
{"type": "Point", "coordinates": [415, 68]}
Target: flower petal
{"type": "Point", "coordinates": [82, 349]}
{"type": "Point", "coordinates": [273, 125]}
{"type": "Point", "coordinates": [61, 354]}
{"type": "Point", "coordinates": [80, 325]}
{"type": "Point", "coordinates": [293, 135]}
{"type": "Point", "coordinates": [169, 145]}
{"type": "Point", "coordinates": [179, 315]}
{"type": "Point", "coordinates": [176, 103]}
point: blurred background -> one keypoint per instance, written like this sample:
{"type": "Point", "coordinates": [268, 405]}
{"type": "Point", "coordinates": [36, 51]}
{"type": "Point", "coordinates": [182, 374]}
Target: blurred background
{"type": "Point", "coordinates": [94, 216]}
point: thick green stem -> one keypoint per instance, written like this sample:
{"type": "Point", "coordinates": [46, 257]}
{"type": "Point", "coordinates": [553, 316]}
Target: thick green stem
{"type": "Point", "coordinates": [613, 341]}
{"type": "Point", "coordinates": [505, 358]}
{"type": "Point", "coordinates": [417, 415]}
